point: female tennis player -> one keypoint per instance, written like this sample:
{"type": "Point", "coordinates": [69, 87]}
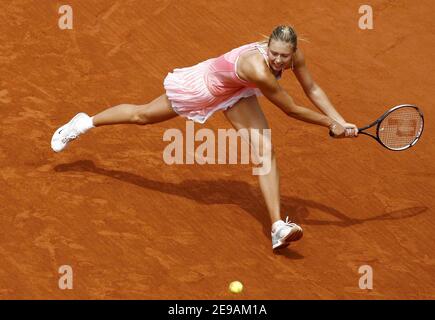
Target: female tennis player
{"type": "Point", "coordinates": [232, 83]}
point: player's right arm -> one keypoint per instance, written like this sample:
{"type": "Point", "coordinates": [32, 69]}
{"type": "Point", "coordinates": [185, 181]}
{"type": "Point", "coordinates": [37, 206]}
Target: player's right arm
{"type": "Point", "coordinates": [258, 72]}
{"type": "Point", "coordinates": [271, 89]}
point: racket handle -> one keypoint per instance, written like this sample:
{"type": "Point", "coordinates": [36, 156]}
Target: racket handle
{"type": "Point", "coordinates": [332, 135]}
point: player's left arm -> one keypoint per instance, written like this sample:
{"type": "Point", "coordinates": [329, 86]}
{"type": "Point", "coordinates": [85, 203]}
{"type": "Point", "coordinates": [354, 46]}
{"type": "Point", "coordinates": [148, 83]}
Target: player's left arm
{"type": "Point", "coordinates": [313, 91]}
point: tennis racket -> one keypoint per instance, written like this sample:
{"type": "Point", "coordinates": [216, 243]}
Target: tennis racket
{"type": "Point", "coordinates": [398, 129]}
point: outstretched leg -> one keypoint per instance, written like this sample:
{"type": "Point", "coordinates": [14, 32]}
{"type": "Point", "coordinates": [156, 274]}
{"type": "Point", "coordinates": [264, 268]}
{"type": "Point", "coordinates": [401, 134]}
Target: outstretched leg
{"type": "Point", "coordinates": [247, 114]}
{"type": "Point", "coordinates": [156, 111]}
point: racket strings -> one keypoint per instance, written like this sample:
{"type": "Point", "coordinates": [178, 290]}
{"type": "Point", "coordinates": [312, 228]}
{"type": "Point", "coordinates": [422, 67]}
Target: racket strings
{"type": "Point", "coordinates": [401, 128]}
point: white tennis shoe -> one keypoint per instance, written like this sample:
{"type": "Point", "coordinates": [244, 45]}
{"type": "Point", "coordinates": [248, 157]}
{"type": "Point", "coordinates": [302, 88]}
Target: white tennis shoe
{"type": "Point", "coordinates": [68, 132]}
{"type": "Point", "coordinates": [285, 232]}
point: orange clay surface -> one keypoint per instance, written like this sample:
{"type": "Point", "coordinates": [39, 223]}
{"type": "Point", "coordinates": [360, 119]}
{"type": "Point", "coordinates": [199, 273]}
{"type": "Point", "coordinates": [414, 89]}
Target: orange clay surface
{"type": "Point", "coordinates": [132, 226]}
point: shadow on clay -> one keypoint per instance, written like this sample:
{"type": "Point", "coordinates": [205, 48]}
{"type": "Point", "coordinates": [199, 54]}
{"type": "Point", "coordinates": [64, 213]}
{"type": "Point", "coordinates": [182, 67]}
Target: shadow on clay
{"type": "Point", "coordinates": [246, 197]}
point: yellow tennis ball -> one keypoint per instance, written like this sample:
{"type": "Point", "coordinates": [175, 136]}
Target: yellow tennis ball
{"type": "Point", "coordinates": [236, 287]}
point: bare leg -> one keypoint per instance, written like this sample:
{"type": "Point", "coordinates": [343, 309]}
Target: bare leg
{"type": "Point", "coordinates": [156, 111]}
{"type": "Point", "coordinates": [247, 114]}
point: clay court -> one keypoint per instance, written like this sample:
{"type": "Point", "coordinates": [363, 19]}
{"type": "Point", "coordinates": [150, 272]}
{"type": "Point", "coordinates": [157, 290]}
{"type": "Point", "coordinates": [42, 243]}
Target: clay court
{"type": "Point", "coordinates": [133, 227]}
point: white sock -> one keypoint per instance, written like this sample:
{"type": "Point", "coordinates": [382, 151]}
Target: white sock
{"type": "Point", "coordinates": [85, 124]}
{"type": "Point", "coordinates": [276, 224]}
{"type": "Point", "coordinates": [92, 123]}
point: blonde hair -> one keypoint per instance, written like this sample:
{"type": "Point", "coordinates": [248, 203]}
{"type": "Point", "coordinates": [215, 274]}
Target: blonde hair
{"type": "Point", "coordinates": [285, 33]}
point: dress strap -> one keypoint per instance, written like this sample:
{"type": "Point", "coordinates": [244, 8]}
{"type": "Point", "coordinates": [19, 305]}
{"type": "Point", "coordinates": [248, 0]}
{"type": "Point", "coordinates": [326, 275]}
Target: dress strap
{"type": "Point", "coordinates": [263, 52]}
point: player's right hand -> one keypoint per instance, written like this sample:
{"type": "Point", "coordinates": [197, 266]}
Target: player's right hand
{"type": "Point", "coordinates": [351, 130]}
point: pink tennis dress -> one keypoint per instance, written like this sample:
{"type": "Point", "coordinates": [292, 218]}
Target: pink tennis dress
{"type": "Point", "coordinates": [199, 91]}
